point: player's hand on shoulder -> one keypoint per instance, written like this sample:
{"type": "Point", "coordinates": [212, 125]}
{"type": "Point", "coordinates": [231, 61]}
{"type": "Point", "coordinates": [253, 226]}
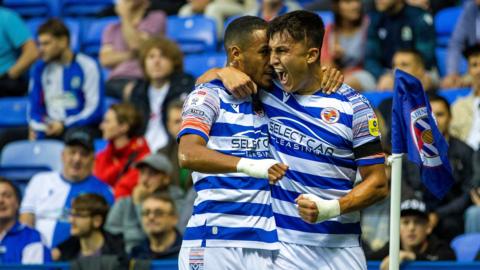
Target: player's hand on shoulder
{"type": "Point", "coordinates": [276, 172]}
{"type": "Point", "coordinates": [332, 79]}
{"type": "Point", "coordinates": [237, 82]}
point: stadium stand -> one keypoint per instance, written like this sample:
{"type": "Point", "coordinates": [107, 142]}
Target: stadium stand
{"type": "Point", "coordinates": [196, 34]}
{"type": "Point", "coordinates": [16, 110]}
{"type": "Point", "coordinates": [197, 64]}
{"type": "Point", "coordinates": [92, 34]}
{"type": "Point", "coordinates": [445, 24]}
{"type": "Point", "coordinates": [34, 8]}
{"type": "Point", "coordinates": [84, 8]}
{"type": "Point", "coordinates": [466, 246]}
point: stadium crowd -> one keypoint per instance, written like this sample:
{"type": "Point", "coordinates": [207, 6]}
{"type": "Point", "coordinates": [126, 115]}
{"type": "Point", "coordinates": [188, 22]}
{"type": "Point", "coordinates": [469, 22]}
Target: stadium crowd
{"type": "Point", "coordinates": [129, 198]}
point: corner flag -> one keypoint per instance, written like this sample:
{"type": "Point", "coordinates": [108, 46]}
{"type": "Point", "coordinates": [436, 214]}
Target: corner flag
{"type": "Point", "coordinates": [414, 131]}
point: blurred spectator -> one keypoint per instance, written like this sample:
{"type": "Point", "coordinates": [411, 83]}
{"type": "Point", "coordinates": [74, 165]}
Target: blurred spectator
{"type": "Point", "coordinates": [49, 195]}
{"type": "Point", "coordinates": [465, 34]}
{"type": "Point", "coordinates": [125, 215]}
{"type": "Point", "coordinates": [269, 9]}
{"type": "Point", "coordinates": [159, 218]}
{"type": "Point", "coordinates": [87, 216]}
{"type": "Point", "coordinates": [114, 165]}
{"type": "Point", "coordinates": [162, 62]}
{"type": "Point", "coordinates": [17, 52]}
{"type": "Point", "coordinates": [121, 42]}
{"type": "Point", "coordinates": [20, 243]}
{"type": "Point", "coordinates": [326, 5]}
{"type": "Point", "coordinates": [446, 214]}
{"type": "Point", "coordinates": [410, 61]}
{"type": "Point", "coordinates": [466, 110]}
{"type": "Point", "coordinates": [397, 25]}
{"type": "Point", "coordinates": [66, 89]}
{"type": "Point", "coordinates": [432, 6]}
{"type": "Point", "coordinates": [472, 215]}
{"type": "Point", "coordinates": [218, 10]}
{"type": "Point", "coordinates": [344, 43]}
{"type": "Point", "coordinates": [180, 177]}
{"type": "Point", "coordinates": [416, 241]}
{"type": "Point", "coordinates": [170, 7]}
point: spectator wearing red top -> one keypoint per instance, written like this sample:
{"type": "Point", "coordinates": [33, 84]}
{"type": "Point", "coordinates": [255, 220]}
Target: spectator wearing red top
{"type": "Point", "coordinates": [114, 164]}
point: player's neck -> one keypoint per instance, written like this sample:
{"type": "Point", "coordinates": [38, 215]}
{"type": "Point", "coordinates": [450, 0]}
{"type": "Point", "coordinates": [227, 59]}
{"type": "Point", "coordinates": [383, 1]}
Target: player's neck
{"type": "Point", "coordinates": [313, 81]}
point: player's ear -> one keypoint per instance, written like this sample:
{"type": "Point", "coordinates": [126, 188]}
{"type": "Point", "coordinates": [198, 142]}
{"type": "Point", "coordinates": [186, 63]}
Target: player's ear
{"type": "Point", "coordinates": [313, 55]}
{"type": "Point", "coordinates": [235, 53]}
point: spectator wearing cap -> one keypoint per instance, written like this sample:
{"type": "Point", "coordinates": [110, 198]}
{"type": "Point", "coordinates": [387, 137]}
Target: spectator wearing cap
{"type": "Point", "coordinates": [125, 215]}
{"type": "Point", "coordinates": [159, 218]}
{"type": "Point", "coordinates": [18, 243]}
{"type": "Point", "coordinates": [49, 195]}
{"type": "Point", "coordinates": [114, 165]}
{"type": "Point", "coordinates": [87, 216]}
{"type": "Point", "coordinates": [416, 241]}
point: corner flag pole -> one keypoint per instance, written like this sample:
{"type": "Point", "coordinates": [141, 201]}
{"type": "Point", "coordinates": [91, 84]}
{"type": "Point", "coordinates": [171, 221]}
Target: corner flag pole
{"type": "Point", "coordinates": [395, 193]}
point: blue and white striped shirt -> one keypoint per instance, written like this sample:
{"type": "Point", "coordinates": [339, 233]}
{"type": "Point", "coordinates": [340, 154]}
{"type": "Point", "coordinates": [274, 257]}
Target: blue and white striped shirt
{"type": "Point", "coordinates": [316, 136]}
{"type": "Point", "coordinates": [231, 210]}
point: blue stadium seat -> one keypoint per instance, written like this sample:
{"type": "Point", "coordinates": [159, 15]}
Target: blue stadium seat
{"type": "Point", "coordinates": [445, 21]}
{"type": "Point", "coordinates": [99, 145]}
{"type": "Point", "coordinates": [84, 8]}
{"type": "Point", "coordinates": [451, 95]}
{"type": "Point", "coordinates": [197, 64]}
{"type": "Point", "coordinates": [72, 24]}
{"type": "Point", "coordinates": [196, 34]}
{"type": "Point", "coordinates": [327, 16]}
{"type": "Point", "coordinates": [376, 98]}
{"type": "Point", "coordinates": [466, 246]}
{"type": "Point", "coordinates": [21, 160]}
{"type": "Point", "coordinates": [13, 111]}
{"type": "Point", "coordinates": [441, 55]}
{"type": "Point", "coordinates": [92, 34]}
{"type": "Point", "coordinates": [109, 101]}
{"type": "Point", "coordinates": [41, 153]}
{"type": "Point", "coordinates": [34, 8]}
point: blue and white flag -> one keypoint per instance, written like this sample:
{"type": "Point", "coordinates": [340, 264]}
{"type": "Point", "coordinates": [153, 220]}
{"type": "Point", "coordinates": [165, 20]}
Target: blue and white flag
{"type": "Point", "coordinates": [415, 132]}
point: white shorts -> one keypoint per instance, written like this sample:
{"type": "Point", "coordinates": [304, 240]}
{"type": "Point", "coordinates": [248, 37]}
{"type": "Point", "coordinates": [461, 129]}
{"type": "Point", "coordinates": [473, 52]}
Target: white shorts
{"type": "Point", "coordinates": [296, 257]}
{"type": "Point", "coordinates": [225, 258]}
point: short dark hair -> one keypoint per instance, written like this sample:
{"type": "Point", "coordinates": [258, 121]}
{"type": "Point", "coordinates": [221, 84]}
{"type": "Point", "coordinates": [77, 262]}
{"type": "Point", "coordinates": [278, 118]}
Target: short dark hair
{"type": "Point", "coordinates": [473, 50]}
{"type": "Point", "coordinates": [436, 97]}
{"type": "Point", "coordinates": [338, 18]}
{"type": "Point", "coordinates": [240, 29]}
{"type": "Point", "coordinates": [92, 203]}
{"type": "Point", "coordinates": [301, 25]}
{"type": "Point", "coordinates": [416, 54]}
{"type": "Point", "coordinates": [16, 190]}
{"type": "Point", "coordinates": [54, 27]}
{"type": "Point", "coordinates": [164, 197]}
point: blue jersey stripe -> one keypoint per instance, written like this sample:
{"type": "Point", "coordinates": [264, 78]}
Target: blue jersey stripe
{"type": "Point", "coordinates": [284, 195]}
{"type": "Point", "coordinates": [327, 227]}
{"type": "Point", "coordinates": [246, 183]}
{"type": "Point", "coordinates": [226, 233]}
{"type": "Point", "coordinates": [326, 135]}
{"type": "Point", "coordinates": [244, 108]}
{"type": "Point", "coordinates": [229, 129]}
{"type": "Point", "coordinates": [370, 161]}
{"type": "Point", "coordinates": [233, 208]}
{"type": "Point", "coordinates": [321, 154]}
{"type": "Point", "coordinates": [252, 154]}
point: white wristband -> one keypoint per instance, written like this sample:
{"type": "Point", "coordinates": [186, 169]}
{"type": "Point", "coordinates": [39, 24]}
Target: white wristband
{"type": "Point", "coordinates": [327, 209]}
{"type": "Point", "coordinates": [255, 167]}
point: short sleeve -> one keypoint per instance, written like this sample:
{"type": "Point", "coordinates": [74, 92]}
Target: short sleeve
{"type": "Point", "coordinates": [17, 31]}
{"type": "Point", "coordinates": [30, 198]}
{"type": "Point", "coordinates": [108, 34]}
{"type": "Point", "coordinates": [154, 24]}
{"type": "Point", "coordinates": [200, 111]}
{"type": "Point", "coordinates": [367, 147]}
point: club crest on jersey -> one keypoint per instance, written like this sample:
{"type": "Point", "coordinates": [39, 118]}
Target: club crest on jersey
{"type": "Point", "coordinates": [423, 137]}
{"type": "Point", "coordinates": [330, 115]}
